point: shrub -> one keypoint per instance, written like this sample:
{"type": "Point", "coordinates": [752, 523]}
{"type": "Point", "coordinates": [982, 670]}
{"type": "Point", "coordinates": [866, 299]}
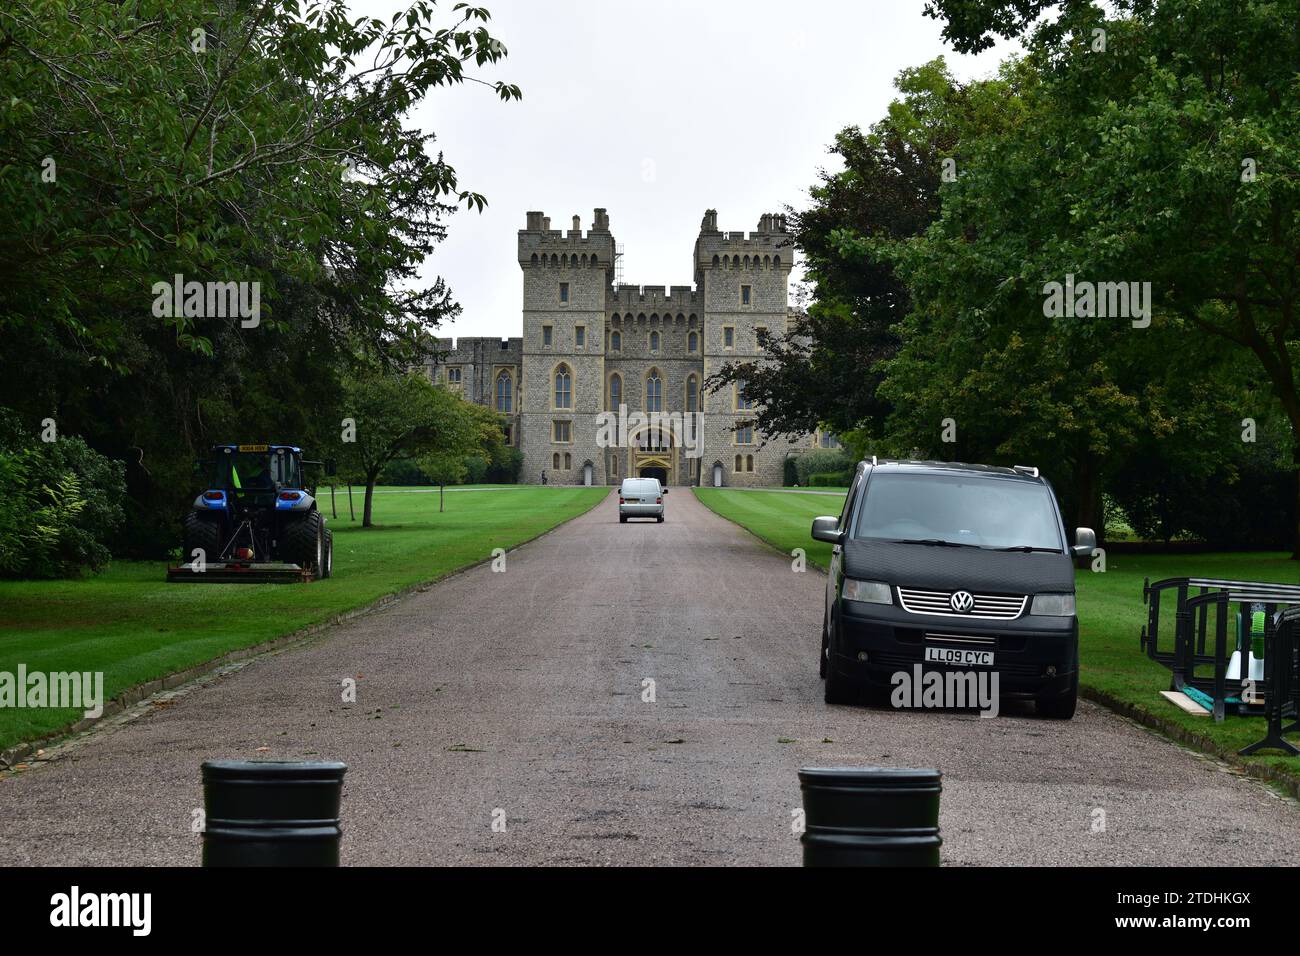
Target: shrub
{"type": "Point", "coordinates": [820, 461]}
{"type": "Point", "coordinates": [60, 505]}
{"type": "Point", "coordinates": [789, 473]}
{"type": "Point", "coordinates": [476, 469]}
{"type": "Point", "coordinates": [506, 466]}
{"type": "Point", "coordinates": [830, 479]}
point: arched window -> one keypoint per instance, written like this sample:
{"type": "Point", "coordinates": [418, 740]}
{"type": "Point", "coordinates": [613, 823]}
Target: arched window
{"type": "Point", "coordinates": [563, 387]}
{"type": "Point", "coordinates": [534, 260]}
{"type": "Point", "coordinates": [715, 262]}
{"type": "Point", "coordinates": [568, 461]}
{"type": "Point", "coordinates": [749, 462]}
{"type": "Point", "coordinates": [693, 342]}
{"type": "Point", "coordinates": [555, 461]}
{"type": "Point", "coordinates": [615, 391]}
{"type": "Point", "coordinates": [505, 389]}
{"type": "Point", "coordinates": [613, 465]}
{"type": "Point", "coordinates": [654, 392]}
{"type": "Point", "coordinates": [738, 463]}
{"type": "Point", "coordinates": [616, 341]}
{"type": "Point", "coordinates": [654, 341]}
{"type": "Point", "coordinates": [692, 393]}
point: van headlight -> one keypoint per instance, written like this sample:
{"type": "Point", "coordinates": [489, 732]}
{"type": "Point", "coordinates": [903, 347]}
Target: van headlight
{"type": "Point", "coordinates": [1053, 605]}
{"type": "Point", "coordinates": [869, 592]}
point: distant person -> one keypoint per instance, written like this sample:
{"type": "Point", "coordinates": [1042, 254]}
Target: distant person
{"type": "Point", "coordinates": [543, 476]}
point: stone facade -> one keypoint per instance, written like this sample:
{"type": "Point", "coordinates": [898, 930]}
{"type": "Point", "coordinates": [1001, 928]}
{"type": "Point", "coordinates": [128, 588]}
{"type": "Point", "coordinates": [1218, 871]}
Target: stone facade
{"type": "Point", "coordinates": [589, 346]}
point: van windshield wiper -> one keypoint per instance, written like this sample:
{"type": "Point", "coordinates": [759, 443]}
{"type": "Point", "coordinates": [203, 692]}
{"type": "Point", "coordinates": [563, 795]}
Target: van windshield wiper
{"type": "Point", "coordinates": [1029, 547]}
{"type": "Point", "coordinates": [936, 542]}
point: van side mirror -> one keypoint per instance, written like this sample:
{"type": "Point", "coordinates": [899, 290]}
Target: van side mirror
{"type": "Point", "coordinates": [826, 528]}
{"type": "Point", "coordinates": [665, 491]}
{"type": "Point", "coordinates": [1085, 542]}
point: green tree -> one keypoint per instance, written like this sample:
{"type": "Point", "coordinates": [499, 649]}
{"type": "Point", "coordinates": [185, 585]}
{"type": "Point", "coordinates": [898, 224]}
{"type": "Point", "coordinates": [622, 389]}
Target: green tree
{"type": "Point", "coordinates": [1170, 154]}
{"type": "Point", "coordinates": [824, 370]}
{"type": "Point", "coordinates": [402, 417]}
{"type": "Point", "coordinates": [276, 150]}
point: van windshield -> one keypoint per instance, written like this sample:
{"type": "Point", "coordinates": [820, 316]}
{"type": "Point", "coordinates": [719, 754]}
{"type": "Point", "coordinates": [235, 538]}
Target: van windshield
{"type": "Point", "coordinates": [972, 510]}
{"type": "Point", "coordinates": [640, 486]}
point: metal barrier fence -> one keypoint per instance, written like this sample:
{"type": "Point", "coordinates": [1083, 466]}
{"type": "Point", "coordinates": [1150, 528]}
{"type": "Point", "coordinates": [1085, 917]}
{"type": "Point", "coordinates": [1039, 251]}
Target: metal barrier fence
{"type": "Point", "coordinates": [1282, 677]}
{"type": "Point", "coordinates": [1192, 631]}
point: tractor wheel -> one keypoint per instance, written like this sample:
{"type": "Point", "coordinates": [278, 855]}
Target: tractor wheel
{"type": "Point", "coordinates": [328, 569]}
{"type": "Point", "coordinates": [304, 543]}
{"type": "Point", "coordinates": [200, 533]}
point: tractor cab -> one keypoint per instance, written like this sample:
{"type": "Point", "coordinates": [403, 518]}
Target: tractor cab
{"type": "Point", "coordinates": [256, 474]}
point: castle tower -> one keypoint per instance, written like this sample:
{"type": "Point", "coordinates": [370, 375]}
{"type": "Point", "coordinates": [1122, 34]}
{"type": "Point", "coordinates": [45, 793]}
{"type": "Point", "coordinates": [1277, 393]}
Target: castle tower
{"type": "Point", "coordinates": [566, 278]}
{"type": "Point", "coordinates": [743, 282]}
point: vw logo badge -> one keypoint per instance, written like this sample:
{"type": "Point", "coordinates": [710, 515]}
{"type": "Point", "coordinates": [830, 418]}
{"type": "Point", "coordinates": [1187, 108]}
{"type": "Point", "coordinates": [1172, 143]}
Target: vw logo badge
{"type": "Point", "coordinates": [961, 601]}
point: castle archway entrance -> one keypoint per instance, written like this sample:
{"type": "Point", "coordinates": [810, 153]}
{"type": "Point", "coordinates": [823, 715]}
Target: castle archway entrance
{"type": "Point", "coordinates": [653, 455]}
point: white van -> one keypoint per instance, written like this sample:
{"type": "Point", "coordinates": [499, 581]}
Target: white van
{"type": "Point", "coordinates": [641, 498]}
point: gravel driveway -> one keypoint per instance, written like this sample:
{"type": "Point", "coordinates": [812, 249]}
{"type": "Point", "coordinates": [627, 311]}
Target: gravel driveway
{"type": "Point", "coordinates": [523, 692]}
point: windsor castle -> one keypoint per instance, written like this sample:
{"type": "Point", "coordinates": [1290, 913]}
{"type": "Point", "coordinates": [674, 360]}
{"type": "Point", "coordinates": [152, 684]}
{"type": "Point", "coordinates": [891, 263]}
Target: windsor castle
{"type": "Point", "coordinates": [592, 349]}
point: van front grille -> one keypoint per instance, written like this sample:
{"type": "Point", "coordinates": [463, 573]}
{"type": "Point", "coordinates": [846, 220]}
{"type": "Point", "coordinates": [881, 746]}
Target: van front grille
{"type": "Point", "coordinates": [988, 607]}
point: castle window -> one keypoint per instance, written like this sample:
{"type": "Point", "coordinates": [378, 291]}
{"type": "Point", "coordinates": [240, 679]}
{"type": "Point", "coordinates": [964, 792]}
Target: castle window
{"type": "Point", "coordinates": [505, 393]}
{"type": "Point", "coordinates": [749, 462]}
{"type": "Point", "coordinates": [568, 461]}
{"type": "Point", "coordinates": [654, 392]}
{"type": "Point", "coordinates": [615, 391]}
{"type": "Point", "coordinates": [743, 401]}
{"type": "Point", "coordinates": [715, 262]}
{"type": "Point", "coordinates": [829, 441]}
{"type": "Point", "coordinates": [580, 336]}
{"type": "Point", "coordinates": [745, 435]}
{"type": "Point", "coordinates": [555, 461]}
{"type": "Point", "coordinates": [692, 393]}
{"type": "Point", "coordinates": [616, 341]}
{"type": "Point", "coordinates": [728, 337]}
{"type": "Point", "coordinates": [563, 387]}
{"type": "Point", "coordinates": [453, 375]}
{"type": "Point", "coordinates": [654, 341]}
{"type": "Point", "coordinates": [613, 465]}
{"type": "Point", "coordinates": [739, 462]}
{"type": "Point", "coordinates": [693, 342]}
{"type": "Point", "coordinates": [564, 292]}
{"type": "Point", "coordinates": [562, 431]}
{"type": "Point", "coordinates": [546, 336]}
{"type": "Point", "coordinates": [744, 295]}
{"type": "Point", "coordinates": [505, 433]}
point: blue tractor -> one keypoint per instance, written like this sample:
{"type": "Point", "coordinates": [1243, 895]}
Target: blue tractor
{"type": "Point", "coordinates": [256, 521]}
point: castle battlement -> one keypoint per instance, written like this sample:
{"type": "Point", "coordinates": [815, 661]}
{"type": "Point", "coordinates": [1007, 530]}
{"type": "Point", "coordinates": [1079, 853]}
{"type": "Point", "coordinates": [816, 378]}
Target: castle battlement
{"type": "Point", "coordinates": [679, 298]}
{"type": "Point", "coordinates": [770, 246]}
{"type": "Point", "coordinates": [540, 246]}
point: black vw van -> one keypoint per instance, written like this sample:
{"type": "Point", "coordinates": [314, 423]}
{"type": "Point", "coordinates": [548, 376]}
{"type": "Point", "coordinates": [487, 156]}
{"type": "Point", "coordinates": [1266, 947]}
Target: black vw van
{"type": "Point", "coordinates": [952, 566]}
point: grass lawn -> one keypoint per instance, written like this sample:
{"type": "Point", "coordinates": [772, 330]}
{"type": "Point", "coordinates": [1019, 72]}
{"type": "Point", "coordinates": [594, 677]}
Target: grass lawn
{"type": "Point", "coordinates": [1111, 612]}
{"type": "Point", "coordinates": [132, 625]}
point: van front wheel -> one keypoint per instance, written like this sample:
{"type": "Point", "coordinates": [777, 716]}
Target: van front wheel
{"type": "Point", "coordinates": [1061, 707]}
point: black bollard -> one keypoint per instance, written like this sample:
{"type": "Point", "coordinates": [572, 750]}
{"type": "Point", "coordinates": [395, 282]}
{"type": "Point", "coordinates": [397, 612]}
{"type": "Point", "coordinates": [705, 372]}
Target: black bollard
{"type": "Point", "coordinates": [272, 813]}
{"type": "Point", "coordinates": [870, 816]}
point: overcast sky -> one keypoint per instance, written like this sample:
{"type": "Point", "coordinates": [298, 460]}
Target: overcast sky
{"type": "Point", "coordinates": [657, 111]}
